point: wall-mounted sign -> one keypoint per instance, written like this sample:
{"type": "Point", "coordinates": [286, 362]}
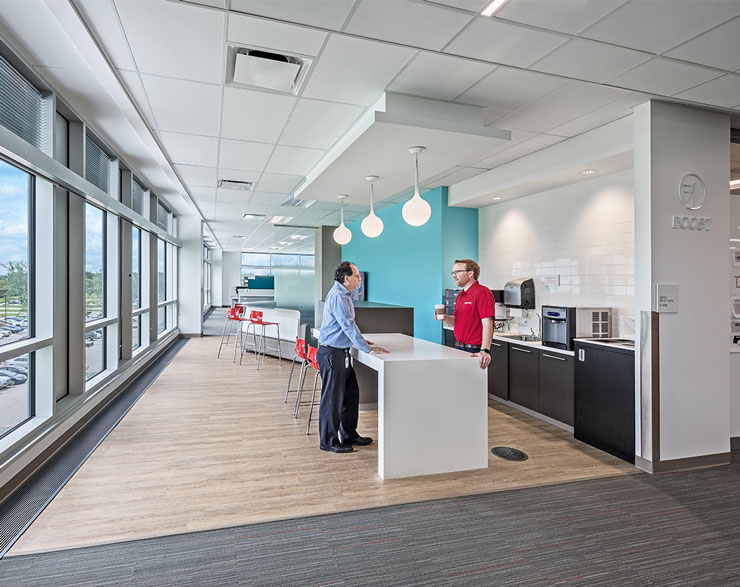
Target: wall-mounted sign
{"type": "Point", "coordinates": [666, 298]}
{"type": "Point", "coordinates": [691, 191]}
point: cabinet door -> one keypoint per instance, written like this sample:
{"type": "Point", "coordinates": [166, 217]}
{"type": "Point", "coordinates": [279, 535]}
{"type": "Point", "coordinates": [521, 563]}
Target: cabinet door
{"type": "Point", "coordinates": [556, 386]}
{"type": "Point", "coordinates": [524, 378]}
{"type": "Point", "coordinates": [498, 370]}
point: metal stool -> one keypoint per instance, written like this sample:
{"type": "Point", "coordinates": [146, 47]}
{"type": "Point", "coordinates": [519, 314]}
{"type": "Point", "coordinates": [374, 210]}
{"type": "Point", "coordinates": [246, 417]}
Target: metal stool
{"type": "Point", "coordinates": [255, 319]}
{"type": "Point", "coordinates": [232, 316]}
{"type": "Point", "coordinates": [309, 362]}
{"type": "Point", "coordinates": [300, 353]}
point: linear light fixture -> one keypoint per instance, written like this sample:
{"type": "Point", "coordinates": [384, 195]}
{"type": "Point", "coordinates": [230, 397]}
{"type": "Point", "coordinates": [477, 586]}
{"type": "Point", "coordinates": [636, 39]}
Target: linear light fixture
{"type": "Point", "coordinates": [734, 184]}
{"type": "Point", "coordinates": [280, 219]}
{"type": "Point", "coordinates": [235, 184]}
{"type": "Point", "coordinates": [588, 172]}
{"type": "Point", "coordinates": [492, 7]}
{"type": "Point", "coordinates": [252, 216]}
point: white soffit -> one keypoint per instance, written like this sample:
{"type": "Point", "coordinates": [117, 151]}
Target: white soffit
{"type": "Point", "coordinates": [607, 149]}
{"type": "Point", "coordinates": [378, 145]}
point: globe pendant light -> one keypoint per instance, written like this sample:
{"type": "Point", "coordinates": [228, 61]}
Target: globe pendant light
{"type": "Point", "coordinates": [342, 234]}
{"type": "Point", "coordinates": [417, 210]}
{"type": "Point", "coordinates": [372, 226]}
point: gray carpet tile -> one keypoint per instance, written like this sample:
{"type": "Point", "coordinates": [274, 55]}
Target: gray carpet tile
{"type": "Point", "coordinates": [675, 529]}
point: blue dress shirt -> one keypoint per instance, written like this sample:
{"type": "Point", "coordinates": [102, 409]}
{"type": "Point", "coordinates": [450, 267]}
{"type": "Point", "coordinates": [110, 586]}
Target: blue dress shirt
{"type": "Point", "coordinates": [338, 328]}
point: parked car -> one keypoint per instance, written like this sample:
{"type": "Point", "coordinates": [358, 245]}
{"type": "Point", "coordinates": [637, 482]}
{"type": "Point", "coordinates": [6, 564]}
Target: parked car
{"type": "Point", "coordinates": [16, 378]}
{"type": "Point", "coordinates": [4, 333]}
{"type": "Point", "coordinates": [89, 341]}
{"type": "Point", "coordinates": [21, 361]}
{"type": "Point", "coordinates": [96, 334]}
{"type": "Point", "coordinates": [14, 369]}
{"type": "Point", "coordinates": [14, 329]}
{"type": "Point", "coordinates": [5, 382]}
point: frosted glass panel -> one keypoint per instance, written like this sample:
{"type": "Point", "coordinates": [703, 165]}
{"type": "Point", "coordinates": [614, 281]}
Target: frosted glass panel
{"type": "Point", "coordinates": [295, 289]}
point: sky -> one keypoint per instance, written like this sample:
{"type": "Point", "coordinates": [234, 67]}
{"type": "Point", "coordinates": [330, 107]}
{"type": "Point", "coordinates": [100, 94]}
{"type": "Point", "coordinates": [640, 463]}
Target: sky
{"type": "Point", "coordinates": [13, 214]}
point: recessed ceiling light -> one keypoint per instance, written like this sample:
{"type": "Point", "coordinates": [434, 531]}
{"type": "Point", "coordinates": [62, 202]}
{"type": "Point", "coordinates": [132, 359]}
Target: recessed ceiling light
{"type": "Point", "coordinates": [252, 216]}
{"type": "Point", "coordinates": [588, 171]}
{"type": "Point", "coordinates": [496, 198]}
{"type": "Point", "coordinates": [298, 237]}
{"type": "Point", "coordinates": [492, 7]}
{"type": "Point", "coordinates": [280, 219]}
{"type": "Point", "coordinates": [283, 243]}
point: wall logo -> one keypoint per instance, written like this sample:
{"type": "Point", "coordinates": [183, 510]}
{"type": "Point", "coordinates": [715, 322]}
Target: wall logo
{"type": "Point", "coordinates": [691, 191]}
{"type": "Point", "coordinates": [691, 194]}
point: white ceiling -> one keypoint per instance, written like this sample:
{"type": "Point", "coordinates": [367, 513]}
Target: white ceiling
{"type": "Point", "coordinates": [544, 70]}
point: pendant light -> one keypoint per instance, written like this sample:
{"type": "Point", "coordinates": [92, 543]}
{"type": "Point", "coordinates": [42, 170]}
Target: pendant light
{"type": "Point", "coordinates": [372, 226]}
{"type": "Point", "coordinates": [342, 234]}
{"type": "Point", "coordinates": [417, 210]}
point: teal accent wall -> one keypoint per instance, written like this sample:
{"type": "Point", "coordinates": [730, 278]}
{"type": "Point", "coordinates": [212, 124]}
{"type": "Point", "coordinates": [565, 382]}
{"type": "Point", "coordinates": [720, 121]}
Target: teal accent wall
{"type": "Point", "coordinates": [410, 265]}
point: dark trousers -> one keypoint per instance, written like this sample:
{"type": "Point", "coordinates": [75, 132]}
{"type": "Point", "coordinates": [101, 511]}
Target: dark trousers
{"type": "Point", "coordinates": [340, 397]}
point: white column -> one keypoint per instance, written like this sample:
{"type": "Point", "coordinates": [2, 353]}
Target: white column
{"type": "Point", "coordinates": [682, 378]}
{"type": "Point", "coordinates": [189, 276]}
{"type": "Point", "coordinates": [231, 274]}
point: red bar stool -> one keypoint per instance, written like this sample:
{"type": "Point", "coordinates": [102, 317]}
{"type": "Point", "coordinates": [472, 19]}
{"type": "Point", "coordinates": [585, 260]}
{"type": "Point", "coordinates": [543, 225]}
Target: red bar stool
{"type": "Point", "coordinates": [309, 362]}
{"type": "Point", "coordinates": [300, 354]}
{"type": "Point", "coordinates": [255, 319]}
{"type": "Point", "coordinates": [233, 316]}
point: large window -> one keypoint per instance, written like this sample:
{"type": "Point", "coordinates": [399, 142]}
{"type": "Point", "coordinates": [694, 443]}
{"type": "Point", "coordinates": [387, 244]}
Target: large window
{"type": "Point", "coordinates": [16, 205]}
{"type": "Point", "coordinates": [161, 284]}
{"type": "Point", "coordinates": [256, 264]}
{"type": "Point", "coordinates": [94, 289]}
{"type": "Point", "coordinates": [136, 286]}
{"type": "Point", "coordinates": [206, 277]}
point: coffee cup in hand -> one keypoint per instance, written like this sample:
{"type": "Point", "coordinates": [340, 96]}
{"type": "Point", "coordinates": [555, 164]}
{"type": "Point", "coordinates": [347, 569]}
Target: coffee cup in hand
{"type": "Point", "coordinates": [439, 312]}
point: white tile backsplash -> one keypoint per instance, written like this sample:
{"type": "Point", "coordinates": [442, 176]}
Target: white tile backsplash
{"type": "Point", "coordinates": [583, 232]}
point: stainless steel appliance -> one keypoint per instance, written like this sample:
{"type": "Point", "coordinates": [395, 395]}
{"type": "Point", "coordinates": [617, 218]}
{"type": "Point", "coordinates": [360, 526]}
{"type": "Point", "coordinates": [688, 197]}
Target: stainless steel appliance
{"type": "Point", "coordinates": [558, 327]}
{"type": "Point", "coordinates": [499, 308]}
{"type": "Point", "coordinates": [519, 293]}
{"type": "Point", "coordinates": [593, 323]}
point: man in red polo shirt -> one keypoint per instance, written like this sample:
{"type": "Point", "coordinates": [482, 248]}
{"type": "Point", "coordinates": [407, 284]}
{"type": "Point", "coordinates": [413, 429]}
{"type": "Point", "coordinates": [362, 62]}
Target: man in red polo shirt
{"type": "Point", "coordinates": [474, 312]}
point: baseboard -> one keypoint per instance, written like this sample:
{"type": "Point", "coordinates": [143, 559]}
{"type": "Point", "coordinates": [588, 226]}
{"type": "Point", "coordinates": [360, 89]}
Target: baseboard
{"type": "Point", "coordinates": [735, 443]}
{"type": "Point", "coordinates": [687, 464]}
{"type": "Point", "coordinates": [191, 334]}
{"type": "Point", "coordinates": [557, 423]}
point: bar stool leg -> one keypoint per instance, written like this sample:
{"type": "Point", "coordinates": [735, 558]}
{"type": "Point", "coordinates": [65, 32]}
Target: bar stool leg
{"type": "Point", "coordinates": [238, 339]}
{"type": "Point", "coordinates": [292, 367]}
{"type": "Point", "coordinates": [245, 337]}
{"type": "Point", "coordinates": [301, 380]}
{"type": "Point", "coordinates": [280, 351]}
{"type": "Point", "coordinates": [313, 398]}
{"type": "Point", "coordinates": [227, 326]}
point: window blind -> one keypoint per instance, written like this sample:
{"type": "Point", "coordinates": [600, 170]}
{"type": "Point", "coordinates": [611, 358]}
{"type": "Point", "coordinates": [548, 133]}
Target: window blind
{"type": "Point", "coordinates": [22, 106]}
{"type": "Point", "coordinates": [137, 198]}
{"type": "Point", "coordinates": [97, 165]}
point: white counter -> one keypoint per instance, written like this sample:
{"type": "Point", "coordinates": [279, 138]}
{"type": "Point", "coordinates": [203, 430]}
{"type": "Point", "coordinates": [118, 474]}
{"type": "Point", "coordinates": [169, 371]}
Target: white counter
{"type": "Point", "coordinates": [432, 407]}
{"type": "Point", "coordinates": [533, 343]}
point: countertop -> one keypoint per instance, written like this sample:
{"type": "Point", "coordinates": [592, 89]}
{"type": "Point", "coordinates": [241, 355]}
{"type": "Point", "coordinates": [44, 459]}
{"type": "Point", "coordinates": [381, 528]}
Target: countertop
{"type": "Point", "coordinates": [407, 348]}
{"type": "Point", "coordinates": [535, 344]}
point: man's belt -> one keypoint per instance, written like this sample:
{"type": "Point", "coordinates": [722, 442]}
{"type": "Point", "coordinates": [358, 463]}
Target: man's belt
{"type": "Point", "coordinates": [474, 348]}
{"type": "Point", "coordinates": [337, 348]}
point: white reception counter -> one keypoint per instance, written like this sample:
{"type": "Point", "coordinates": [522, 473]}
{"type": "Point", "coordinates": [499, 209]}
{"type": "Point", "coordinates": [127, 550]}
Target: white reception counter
{"type": "Point", "coordinates": [432, 407]}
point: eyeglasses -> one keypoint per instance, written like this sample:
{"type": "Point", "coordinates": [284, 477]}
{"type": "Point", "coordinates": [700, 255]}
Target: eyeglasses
{"type": "Point", "coordinates": [459, 271]}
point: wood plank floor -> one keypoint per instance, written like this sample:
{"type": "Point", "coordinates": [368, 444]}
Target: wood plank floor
{"type": "Point", "coordinates": [212, 444]}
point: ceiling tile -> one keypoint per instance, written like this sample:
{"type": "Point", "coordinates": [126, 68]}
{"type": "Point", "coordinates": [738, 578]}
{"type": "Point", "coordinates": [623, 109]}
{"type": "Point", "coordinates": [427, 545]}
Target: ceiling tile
{"type": "Point", "coordinates": [203, 194]}
{"type": "Point", "coordinates": [258, 32]}
{"type": "Point", "coordinates": [560, 106]}
{"type": "Point", "coordinates": [664, 77]}
{"type": "Point", "coordinates": [240, 197]}
{"type": "Point", "coordinates": [190, 149]}
{"type": "Point", "coordinates": [322, 13]}
{"type": "Point", "coordinates": [254, 116]}
{"type": "Point", "coordinates": [525, 148]}
{"type": "Point", "coordinates": [455, 175]}
{"type": "Point", "coordinates": [267, 199]}
{"type": "Point", "coordinates": [244, 155]}
{"type": "Point", "coordinates": [197, 176]}
{"type": "Point", "coordinates": [565, 16]}
{"type": "Point", "coordinates": [318, 124]}
{"type": "Point", "coordinates": [132, 81]}
{"type": "Point", "coordinates": [469, 5]}
{"type": "Point", "coordinates": [601, 116]}
{"type": "Point", "coordinates": [281, 184]}
{"type": "Point", "coordinates": [517, 136]}
{"type": "Point", "coordinates": [355, 71]}
{"type": "Point", "coordinates": [238, 175]}
{"type": "Point", "coordinates": [504, 43]}
{"type": "Point", "coordinates": [184, 106]}
{"type": "Point", "coordinates": [293, 160]}
{"type": "Point", "coordinates": [438, 76]}
{"type": "Point", "coordinates": [109, 32]}
{"type": "Point", "coordinates": [398, 20]}
{"type": "Point", "coordinates": [506, 90]}
{"type": "Point", "coordinates": [589, 60]}
{"type": "Point", "coordinates": [658, 26]}
{"type": "Point", "coordinates": [723, 91]}
{"type": "Point", "coordinates": [174, 39]}
{"type": "Point", "coordinates": [719, 47]}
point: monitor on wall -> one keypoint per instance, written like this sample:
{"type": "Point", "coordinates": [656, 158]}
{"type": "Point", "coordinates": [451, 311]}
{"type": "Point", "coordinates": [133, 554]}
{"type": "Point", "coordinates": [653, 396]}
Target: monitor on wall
{"type": "Point", "coordinates": [360, 292]}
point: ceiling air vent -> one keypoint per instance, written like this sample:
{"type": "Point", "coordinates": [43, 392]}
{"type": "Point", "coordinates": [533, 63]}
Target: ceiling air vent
{"type": "Point", "coordinates": [295, 202]}
{"type": "Point", "coordinates": [235, 184]}
{"type": "Point", "coordinates": [258, 68]}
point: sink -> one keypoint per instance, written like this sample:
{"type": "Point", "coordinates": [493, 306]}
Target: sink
{"type": "Point", "coordinates": [522, 337]}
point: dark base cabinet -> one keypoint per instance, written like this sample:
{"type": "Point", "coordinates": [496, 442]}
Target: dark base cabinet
{"type": "Point", "coordinates": [449, 337]}
{"type": "Point", "coordinates": [498, 370]}
{"type": "Point", "coordinates": [524, 381]}
{"type": "Point", "coordinates": [556, 386]}
{"type": "Point", "coordinates": [605, 399]}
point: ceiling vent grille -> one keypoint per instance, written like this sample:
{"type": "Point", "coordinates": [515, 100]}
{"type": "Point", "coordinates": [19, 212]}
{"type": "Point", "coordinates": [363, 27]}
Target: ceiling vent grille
{"type": "Point", "coordinates": [267, 70]}
{"type": "Point", "coordinates": [235, 184]}
{"type": "Point", "coordinates": [295, 202]}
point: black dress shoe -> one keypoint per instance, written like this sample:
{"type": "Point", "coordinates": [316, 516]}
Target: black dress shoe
{"type": "Point", "coordinates": [341, 448]}
{"type": "Point", "coordinates": [359, 441]}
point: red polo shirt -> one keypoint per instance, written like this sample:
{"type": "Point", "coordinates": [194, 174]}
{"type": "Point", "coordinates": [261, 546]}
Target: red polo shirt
{"type": "Point", "coordinates": [471, 306]}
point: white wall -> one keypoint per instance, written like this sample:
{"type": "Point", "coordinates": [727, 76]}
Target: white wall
{"type": "Point", "coordinates": [231, 274]}
{"type": "Point", "coordinates": [694, 369]}
{"type": "Point", "coordinates": [216, 277]}
{"type": "Point", "coordinates": [189, 275]}
{"type": "Point", "coordinates": [583, 233]}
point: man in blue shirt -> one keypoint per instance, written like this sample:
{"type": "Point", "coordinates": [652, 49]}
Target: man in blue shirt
{"type": "Point", "coordinates": [340, 395]}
